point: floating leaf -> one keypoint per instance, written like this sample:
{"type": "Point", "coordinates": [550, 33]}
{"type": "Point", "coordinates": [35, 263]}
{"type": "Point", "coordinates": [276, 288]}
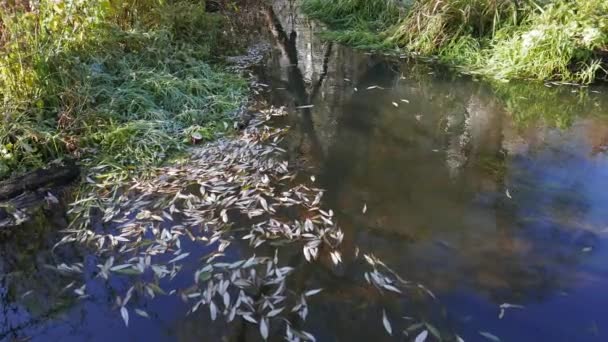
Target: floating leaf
{"type": "Point", "coordinates": [125, 315]}
{"type": "Point", "coordinates": [489, 336]}
{"type": "Point", "coordinates": [422, 336]}
{"type": "Point", "coordinates": [312, 292]}
{"type": "Point", "coordinates": [433, 330]}
{"type": "Point", "coordinates": [142, 313]}
{"type": "Point", "coordinates": [264, 328]}
{"type": "Point", "coordinates": [204, 276]}
{"type": "Point", "coordinates": [212, 310]}
{"type": "Point", "coordinates": [386, 323]}
{"type": "Point", "coordinates": [274, 312]}
{"type": "Point", "coordinates": [249, 318]}
{"type": "Point", "coordinates": [179, 257]}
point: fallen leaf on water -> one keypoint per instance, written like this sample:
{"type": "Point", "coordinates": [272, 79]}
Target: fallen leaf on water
{"type": "Point", "coordinates": [125, 315]}
{"type": "Point", "coordinates": [142, 313]}
{"type": "Point", "coordinates": [489, 336]}
{"type": "Point", "coordinates": [433, 330]}
{"type": "Point", "coordinates": [386, 323]}
{"type": "Point", "coordinates": [264, 328]}
{"type": "Point", "coordinates": [179, 257]}
{"type": "Point", "coordinates": [505, 306]}
{"type": "Point", "coordinates": [312, 292]}
{"type": "Point", "coordinates": [422, 336]}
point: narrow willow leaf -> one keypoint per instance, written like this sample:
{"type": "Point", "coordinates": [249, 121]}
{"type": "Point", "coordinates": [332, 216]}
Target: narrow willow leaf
{"type": "Point", "coordinates": [422, 336]}
{"type": "Point", "coordinates": [125, 315]}
{"type": "Point", "coordinates": [386, 323]}
{"type": "Point", "coordinates": [312, 292]}
{"type": "Point", "coordinates": [179, 257]}
{"type": "Point", "coordinates": [249, 318]}
{"type": "Point", "coordinates": [212, 310]}
{"type": "Point", "coordinates": [142, 313]}
{"type": "Point", "coordinates": [489, 336]}
{"type": "Point", "coordinates": [274, 312]}
{"type": "Point", "coordinates": [433, 331]}
{"type": "Point", "coordinates": [264, 328]}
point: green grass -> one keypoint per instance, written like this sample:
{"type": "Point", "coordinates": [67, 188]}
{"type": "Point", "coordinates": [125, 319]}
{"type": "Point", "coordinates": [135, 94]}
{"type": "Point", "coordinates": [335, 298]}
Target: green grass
{"type": "Point", "coordinates": [121, 85]}
{"type": "Point", "coordinates": [359, 23]}
{"type": "Point", "coordinates": [558, 40]}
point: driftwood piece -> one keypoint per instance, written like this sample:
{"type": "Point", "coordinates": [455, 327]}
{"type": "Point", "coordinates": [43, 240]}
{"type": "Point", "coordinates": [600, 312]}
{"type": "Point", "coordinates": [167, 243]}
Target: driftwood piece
{"type": "Point", "coordinates": [53, 176]}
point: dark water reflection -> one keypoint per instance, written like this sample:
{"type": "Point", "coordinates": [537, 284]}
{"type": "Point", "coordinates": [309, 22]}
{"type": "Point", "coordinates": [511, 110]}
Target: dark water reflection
{"type": "Point", "coordinates": [489, 194]}
{"type": "Point", "coordinates": [486, 194]}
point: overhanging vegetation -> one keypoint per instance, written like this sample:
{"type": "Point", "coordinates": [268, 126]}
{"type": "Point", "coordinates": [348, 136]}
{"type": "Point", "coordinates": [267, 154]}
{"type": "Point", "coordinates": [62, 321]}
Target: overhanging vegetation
{"type": "Point", "coordinates": [558, 40]}
{"type": "Point", "coordinates": [118, 82]}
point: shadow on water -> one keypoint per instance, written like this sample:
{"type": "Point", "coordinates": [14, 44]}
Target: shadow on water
{"type": "Point", "coordinates": [489, 193]}
{"type": "Point", "coordinates": [486, 193]}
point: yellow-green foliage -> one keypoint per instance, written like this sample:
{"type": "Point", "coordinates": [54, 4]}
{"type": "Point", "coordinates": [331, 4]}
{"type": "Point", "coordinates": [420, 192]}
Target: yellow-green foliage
{"type": "Point", "coordinates": [80, 76]}
{"type": "Point", "coordinates": [556, 42]}
{"type": "Point", "coordinates": [545, 40]}
{"type": "Point", "coordinates": [360, 23]}
{"type": "Point", "coordinates": [431, 25]}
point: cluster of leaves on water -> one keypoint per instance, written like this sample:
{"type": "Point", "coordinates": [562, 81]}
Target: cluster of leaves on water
{"type": "Point", "coordinates": [117, 81]}
{"type": "Point", "coordinates": [235, 201]}
{"type": "Point", "coordinates": [558, 40]}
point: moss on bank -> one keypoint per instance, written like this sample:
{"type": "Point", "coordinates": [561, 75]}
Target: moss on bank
{"type": "Point", "coordinates": [118, 83]}
{"type": "Point", "coordinates": [559, 40]}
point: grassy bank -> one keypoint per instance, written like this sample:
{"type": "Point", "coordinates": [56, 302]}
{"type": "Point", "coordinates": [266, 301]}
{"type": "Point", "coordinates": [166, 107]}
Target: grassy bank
{"type": "Point", "coordinates": [123, 83]}
{"type": "Point", "coordinates": [558, 40]}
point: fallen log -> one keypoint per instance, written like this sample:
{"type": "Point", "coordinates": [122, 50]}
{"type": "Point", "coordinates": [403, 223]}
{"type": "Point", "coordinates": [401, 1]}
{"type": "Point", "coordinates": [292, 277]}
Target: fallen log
{"type": "Point", "coordinates": [50, 177]}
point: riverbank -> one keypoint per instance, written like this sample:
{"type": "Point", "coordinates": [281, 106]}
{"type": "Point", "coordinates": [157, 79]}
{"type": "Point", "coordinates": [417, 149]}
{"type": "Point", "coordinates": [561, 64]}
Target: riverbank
{"type": "Point", "coordinates": [556, 40]}
{"type": "Point", "coordinates": [222, 226]}
{"type": "Point", "coordinates": [124, 84]}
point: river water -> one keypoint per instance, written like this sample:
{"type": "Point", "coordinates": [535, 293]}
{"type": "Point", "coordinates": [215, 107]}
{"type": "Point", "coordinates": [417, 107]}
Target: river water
{"type": "Point", "coordinates": [488, 194]}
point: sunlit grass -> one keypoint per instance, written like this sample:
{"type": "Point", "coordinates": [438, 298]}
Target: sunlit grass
{"type": "Point", "coordinates": [555, 40]}
{"type": "Point", "coordinates": [122, 83]}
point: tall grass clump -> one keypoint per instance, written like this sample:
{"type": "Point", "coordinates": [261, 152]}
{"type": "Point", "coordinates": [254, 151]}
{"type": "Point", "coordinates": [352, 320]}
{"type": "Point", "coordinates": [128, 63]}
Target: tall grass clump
{"type": "Point", "coordinates": [118, 81]}
{"type": "Point", "coordinates": [431, 26]}
{"type": "Point", "coordinates": [360, 23]}
{"type": "Point", "coordinates": [559, 40]}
